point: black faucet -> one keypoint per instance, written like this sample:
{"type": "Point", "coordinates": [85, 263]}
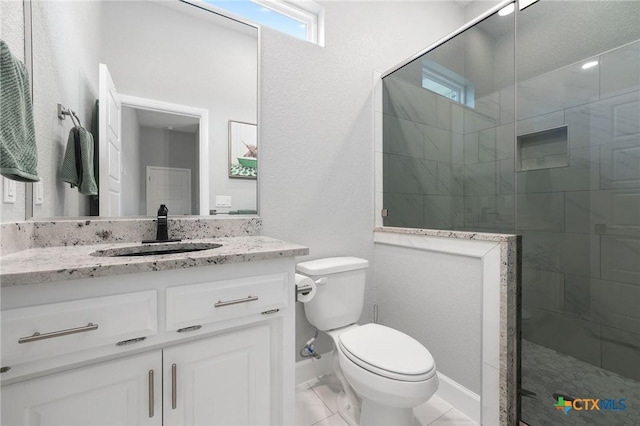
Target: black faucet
{"type": "Point", "coordinates": [163, 232]}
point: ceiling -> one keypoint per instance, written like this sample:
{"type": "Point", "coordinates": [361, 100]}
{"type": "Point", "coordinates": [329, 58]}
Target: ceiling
{"type": "Point", "coordinates": [163, 120]}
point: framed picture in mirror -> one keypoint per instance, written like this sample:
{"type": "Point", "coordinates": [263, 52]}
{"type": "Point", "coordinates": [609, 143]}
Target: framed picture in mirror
{"type": "Point", "coordinates": [243, 150]}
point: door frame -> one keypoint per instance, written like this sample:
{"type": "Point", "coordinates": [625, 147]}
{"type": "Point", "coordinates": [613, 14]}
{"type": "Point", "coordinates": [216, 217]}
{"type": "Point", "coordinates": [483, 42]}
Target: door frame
{"type": "Point", "coordinates": [109, 130]}
{"type": "Point", "coordinates": [203, 137]}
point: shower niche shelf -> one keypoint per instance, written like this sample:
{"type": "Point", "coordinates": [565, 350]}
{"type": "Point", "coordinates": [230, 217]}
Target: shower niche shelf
{"type": "Point", "coordinates": [546, 149]}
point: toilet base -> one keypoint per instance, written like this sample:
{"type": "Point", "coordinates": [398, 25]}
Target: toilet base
{"type": "Point", "coordinates": [347, 400]}
{"type": "Point", "coordinates": [347, 411]}
{"type": "Point", "coordinates": [373, 414]}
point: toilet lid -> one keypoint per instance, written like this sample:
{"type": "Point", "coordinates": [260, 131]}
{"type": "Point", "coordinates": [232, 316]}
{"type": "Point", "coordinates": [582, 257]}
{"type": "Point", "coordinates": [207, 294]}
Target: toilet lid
{"type": "Point", "coordinates": [388, 352]}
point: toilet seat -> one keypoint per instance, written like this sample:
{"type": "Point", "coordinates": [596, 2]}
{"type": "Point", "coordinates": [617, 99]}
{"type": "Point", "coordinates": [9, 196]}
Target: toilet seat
{"type": "Point", "coordinates": [388, 353]}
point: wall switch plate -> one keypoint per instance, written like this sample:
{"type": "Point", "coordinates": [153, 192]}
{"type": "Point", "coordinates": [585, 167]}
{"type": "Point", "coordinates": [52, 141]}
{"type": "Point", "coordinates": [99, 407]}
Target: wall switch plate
{"type": "Point", "coordinates": [9, 191]}
{"type": "Point", "coordinates": [223, 201]}
{"type": "Point", "coordinates": [38, 193]}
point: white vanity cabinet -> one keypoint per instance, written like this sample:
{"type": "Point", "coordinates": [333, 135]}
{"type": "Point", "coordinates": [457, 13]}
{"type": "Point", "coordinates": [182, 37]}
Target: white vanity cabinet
{"type": "Point", "coordinates": [221, 380]}
{"type": "Point", "coordinates": [123, 392]}
{"type": "Point", "coordinates": [198, 346]}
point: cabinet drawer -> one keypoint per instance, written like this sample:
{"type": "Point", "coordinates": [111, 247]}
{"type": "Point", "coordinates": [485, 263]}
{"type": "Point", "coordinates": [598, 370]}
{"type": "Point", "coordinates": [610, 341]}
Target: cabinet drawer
{"type": "Point", "coordinates": [76, 325]}
{"type": "Point", "coordinates": [204, 303]}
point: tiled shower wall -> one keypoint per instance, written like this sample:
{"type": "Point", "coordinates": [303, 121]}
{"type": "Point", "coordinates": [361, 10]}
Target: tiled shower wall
{"type": "Point", "coordinates": [423, 157]}
{"type": "Point", "coordinates": [446, 166]}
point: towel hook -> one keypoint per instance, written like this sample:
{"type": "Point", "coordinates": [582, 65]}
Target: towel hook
{"type": "Point", "coordinates": [62, 112]}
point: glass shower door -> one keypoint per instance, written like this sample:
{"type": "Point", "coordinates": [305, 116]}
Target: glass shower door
{"type": "Point", "coordinates": [531, 125]}
{"type": "Point", "coordinates": [577, 180]}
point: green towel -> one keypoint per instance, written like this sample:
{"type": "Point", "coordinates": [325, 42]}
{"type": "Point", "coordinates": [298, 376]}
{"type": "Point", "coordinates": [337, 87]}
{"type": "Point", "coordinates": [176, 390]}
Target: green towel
{"type": "Point", "coordinates": [94, 201]}
{"type": "Point", "coordinates": [18, 152]}
{"type": "Point", "coordinates": [77, 165]}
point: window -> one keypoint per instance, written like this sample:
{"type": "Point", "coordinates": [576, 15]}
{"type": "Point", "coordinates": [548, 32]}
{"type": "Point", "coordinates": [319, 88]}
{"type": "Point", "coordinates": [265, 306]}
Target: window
{"type": "Point", "coordinates": [303, 20]}
{"type": "Point", "coordinates": [443, 81]}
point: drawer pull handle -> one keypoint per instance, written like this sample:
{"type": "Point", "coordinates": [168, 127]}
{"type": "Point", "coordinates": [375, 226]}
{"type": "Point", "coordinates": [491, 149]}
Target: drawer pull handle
{"type": "Point", "coordinates": [174, 386]}
{"type": "Point", "coordinates": [37, 336]}
{"type": "Point", "coordinates": [188, 329]}
{"type": "Point", "coordinates": [235, 302]}
{"type": "Point", "coordinates": [131, 341]}
{"type": "Point", "coordinates": [152, 402]}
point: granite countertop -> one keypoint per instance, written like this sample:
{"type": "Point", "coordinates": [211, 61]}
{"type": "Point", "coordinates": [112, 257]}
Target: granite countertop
{"type": "Point", "coordinates": [463, 235]}
{"type": "Point", "coordinates": [49, 264]}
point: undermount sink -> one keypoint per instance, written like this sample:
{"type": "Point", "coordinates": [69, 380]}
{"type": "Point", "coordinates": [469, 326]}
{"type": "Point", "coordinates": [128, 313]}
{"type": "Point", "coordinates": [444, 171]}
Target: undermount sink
{"type": "Point", "coordinates": [155, 249]}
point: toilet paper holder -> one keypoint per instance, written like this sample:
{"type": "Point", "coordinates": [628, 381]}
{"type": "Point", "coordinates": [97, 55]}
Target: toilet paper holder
{"type": "Point", "coordinates": [306, 289]}
{"type": "Point", "coordinates": [303, 289]}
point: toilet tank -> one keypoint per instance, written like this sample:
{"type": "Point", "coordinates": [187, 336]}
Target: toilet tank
{"type": "Point", "coordinates": [340, 283]}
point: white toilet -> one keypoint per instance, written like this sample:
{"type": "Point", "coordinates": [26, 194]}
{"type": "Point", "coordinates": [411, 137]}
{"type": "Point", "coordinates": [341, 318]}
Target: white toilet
{"type": "Point", "coordinates": [384, 372]}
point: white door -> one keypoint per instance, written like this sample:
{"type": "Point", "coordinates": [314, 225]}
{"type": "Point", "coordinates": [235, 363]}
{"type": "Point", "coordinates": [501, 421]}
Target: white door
{"type": "Point", "coordinates": [170, 186]}
{"type": "Point", "coordinates": [110, 112]}
{"type": "Point", "coordinates": [221, 380]}
{"type": "Point", "coordinates": [127, 391]}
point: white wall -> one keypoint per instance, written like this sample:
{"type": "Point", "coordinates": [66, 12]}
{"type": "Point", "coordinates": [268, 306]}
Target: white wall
{"type": "Point", "coordinates": [12, 27]}
{"type": "Point", "coordinates": [437, 299]}
{"type": "Point", "coordinates": [12, 32]}
{"type": "Point", "coordinates": [316, 135]}
{"type": "Point", "coordinates": [478, 7]}
{"type": "Point", "coordinates": [176, 58]}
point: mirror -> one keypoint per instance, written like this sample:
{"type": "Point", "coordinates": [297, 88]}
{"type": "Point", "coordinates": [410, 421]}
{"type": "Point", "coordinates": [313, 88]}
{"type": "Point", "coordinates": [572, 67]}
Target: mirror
{"type": "Point", "coordinates": [158, 53]}
{"type": "Point", "coordinates": [12, 32]}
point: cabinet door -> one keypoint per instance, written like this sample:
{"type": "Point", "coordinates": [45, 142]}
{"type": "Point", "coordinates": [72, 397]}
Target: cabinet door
{"type": "Point", "coordinates": [221, 380]}
{"type": "Point", "coordinates": [119, 392]}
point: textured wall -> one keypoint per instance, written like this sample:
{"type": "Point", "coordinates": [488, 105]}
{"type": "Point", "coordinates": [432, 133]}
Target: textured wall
{"type": "Point", "coordinates": [316, 184]}
{"type": "Point", "coordinates": [12, 27]}
{"type": "Point", "coordinates": [64, 71]}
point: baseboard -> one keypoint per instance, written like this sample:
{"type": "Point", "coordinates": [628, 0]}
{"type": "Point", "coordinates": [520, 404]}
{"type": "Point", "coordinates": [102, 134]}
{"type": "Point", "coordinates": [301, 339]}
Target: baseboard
{"type": "Point", "coordinates": [308, 369]}
{"type": "Point", "coordinates": [461, 398]}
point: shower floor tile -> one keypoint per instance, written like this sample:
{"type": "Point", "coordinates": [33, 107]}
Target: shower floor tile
{"type": "Point", "coordinates": [545, 372]}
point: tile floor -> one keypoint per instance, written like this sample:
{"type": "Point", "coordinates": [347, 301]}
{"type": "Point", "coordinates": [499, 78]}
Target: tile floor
{"type": "Point", "coordinates": [545, 372]}
{"type": "Point", "coordinates": [316, 405]}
